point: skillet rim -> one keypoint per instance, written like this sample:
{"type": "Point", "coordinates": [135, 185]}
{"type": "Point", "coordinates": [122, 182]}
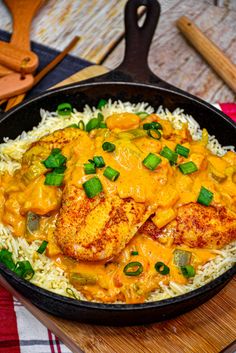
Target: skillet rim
{"type": "Point", "coordinates": [88, 83]}
{"type": "Point", "coordinates": [208, 287]}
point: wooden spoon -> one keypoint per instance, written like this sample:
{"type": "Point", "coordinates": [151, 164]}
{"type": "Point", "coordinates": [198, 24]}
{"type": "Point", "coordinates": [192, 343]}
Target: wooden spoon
{"type": "Point", "coordinates": [222, 65]}
{"type": "Point", "coordinates": [18, 50]}
{"type": "Point", "coordinates": [14, 84]}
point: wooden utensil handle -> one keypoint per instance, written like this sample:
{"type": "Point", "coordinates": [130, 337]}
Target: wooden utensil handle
{"type": "Point", "coordinates": [23, 12]}
{"type": "Point", "coordinates": [211, 53]}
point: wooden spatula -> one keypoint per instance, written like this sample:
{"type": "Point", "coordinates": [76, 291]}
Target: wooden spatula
{"type": "Point", "coordinates": [18, 50]}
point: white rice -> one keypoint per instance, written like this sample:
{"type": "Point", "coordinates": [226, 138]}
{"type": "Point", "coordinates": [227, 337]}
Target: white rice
{"type": "Point", "coordinates": [47, 274]}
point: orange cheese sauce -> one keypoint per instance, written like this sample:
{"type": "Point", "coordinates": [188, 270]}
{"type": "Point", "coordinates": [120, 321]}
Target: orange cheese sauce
{"type": "Point", "coordinates": [164, 190]}
{"type": "Point", "coordinates": [112, 284]}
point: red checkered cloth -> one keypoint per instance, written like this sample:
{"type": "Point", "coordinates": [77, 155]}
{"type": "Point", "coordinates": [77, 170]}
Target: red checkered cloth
{"type": "Point", "coordinates": [21, 332]}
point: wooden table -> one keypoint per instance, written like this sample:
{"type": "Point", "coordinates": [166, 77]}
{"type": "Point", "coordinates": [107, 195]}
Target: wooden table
{"type": "Point", "coordinates": [100, 24]}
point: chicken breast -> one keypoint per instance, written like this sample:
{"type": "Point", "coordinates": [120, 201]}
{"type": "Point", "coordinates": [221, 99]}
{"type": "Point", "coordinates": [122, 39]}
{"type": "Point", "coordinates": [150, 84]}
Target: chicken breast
{"type": "Point", "coordinates": [58, 139]}
{"type": "Point", "coordinates": [197, 226]}
{"type": "Point", "coordinates": [98, 228]}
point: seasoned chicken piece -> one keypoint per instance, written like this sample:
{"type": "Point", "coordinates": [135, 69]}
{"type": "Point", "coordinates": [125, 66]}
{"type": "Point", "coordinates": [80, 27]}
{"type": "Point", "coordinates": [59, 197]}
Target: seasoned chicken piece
{"type": "Point", "coordinates": [98, 228]}
{"type": "Point", "coordinates": [198, 226]}
{"type": "Point", "coordinates": [58, 139]}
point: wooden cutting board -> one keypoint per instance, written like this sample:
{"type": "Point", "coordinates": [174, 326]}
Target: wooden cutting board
{"type": "Point", "coordinates": [207, 329]}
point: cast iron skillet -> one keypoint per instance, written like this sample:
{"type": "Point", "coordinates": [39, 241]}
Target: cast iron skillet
{"type": "Point", "coordinates": [121, 84]}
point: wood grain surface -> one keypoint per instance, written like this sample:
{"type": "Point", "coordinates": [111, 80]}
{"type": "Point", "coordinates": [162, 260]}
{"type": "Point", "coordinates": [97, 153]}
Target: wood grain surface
{"type": "Point", "coordinates": [175, 61]}
{"type": "Point", "coordinates": [207, 329]}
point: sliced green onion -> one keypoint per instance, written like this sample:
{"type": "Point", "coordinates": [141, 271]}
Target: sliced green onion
{"type": "Point", "coordinates": [92, 187]}
{"type": "Point", "coordinates": [103, 125]}
{"type": "Point", "coordinates": [188, 271]}
{"type": "Point", "coordinates": [111, 173]}
{"type": "Point", "coordinates": [151, 161]}
{"type": "Point", "coordinates": [64, 109]}
{"type": "Point", "coordinates": [182, 151]}
{"type": "Point", "coordinates": [155, 134]}
{"type": "Point", "coordinates": [55, 151]}
{"type": "Point", "coordinates": [108, 147]}
{"type": "Point", "coordinates": [6, 259]}
{"type": "Point", "coordinates": [92, 124]}
{"type": "Point", "coordinates": [152, 126]}
{"type": "Point", "coordinates": [24, 269]}
{"type": "Point", "coordinates": [100, 117]}
{"type": "Point", "coordinates": [182, 257]}
{"type": "Point", "coordinates": [205, 196]}
{"type": "Point", "coordinates": [54, 179]}
{"type": "Point", "coordinates": [71, 293]}
{"type": "Point", "coordinates": [59, 170]}
{"type": "Point", "coordinates": [89, 168]}
{"type": "Point", "coordinates": [188, 168]}
{"type": "Point", "coordinates": [81, 125]}
{"type": "Point", "coordinates": [133, 269]}
{"type": "Point", "coordinates": [142, 115]}
{"type": "Point", "coordinates": [74, 126]}
{"type": "Point", "coordinates": [161, 268]}
{"type": "Point", "coordinates": [99, 161]}
{"type": "Point", "coordinates": [42, 247]}
{"type": "Point", "coordinates": [169, 154]}
{"type": "Point", "coordinates": [134, 253]}
{"type": "Point", "coordinates": [101, 103]}
{"type": "Point", "coordinates": [54, 160]}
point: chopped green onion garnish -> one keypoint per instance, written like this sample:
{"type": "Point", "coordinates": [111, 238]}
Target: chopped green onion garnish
{"type": "Point", "coordinates": [205, 196]}
{"type": "Point", "coordinates": [111, 173]}
{"type": "Point", "coordinates": [71, 293]}
{"type": "Point", "coordinates": [55, 151]}
{"type": "Point", "coordinates": [92, 124]}
{"type": "Point", "coordinates": [99, 161]}
{"type": "Point", "coordinates": [100, 117]}
{"type": "Point", "coordinates": [92, 187]}
{"type": "Point", "coordinates": [134, 253]}
{"type": "Point", "coordinates": [108, 147]}
{"type": "Point", "coordinates": [162, 268]}
{"type": "Point", "coordinates": [59, 170]}
{"type": "Point", "coordinates": [152, 126]}
{"type": "Point", "coordinates": [188, 168]}
{"type": "Point", "coordinates": [101, 103]}
{"type": "Point", "coordinates": [74, 126]}
{"type": "Point", "coordinates": [89, 168]}
{"type": "Point", "coordinates": [182, 151]}
{"type": "Point", "coordinates": [64, 109]}
{"type": "Point", "coordinates": [103, 125]}
{"type": "Point", "coordinates": [155, 134]}
{"type": "Point", "coordinates": [188, 271]}
{"type": "Point", "coordinates": [169, 154]}
{"type": "Point", "coordinates": [142, 115]}
{"type": "Point", "coordinates": [81, 125]}
{"type": "Point", "coordinates": [151, 161]}
{"type": "Point", "coordinates": [24, 269]}
{"type": "Point", "coordinates": [133, 269]}
{"type": "Point", "coordinates": [42, 247]}
{"type": "Point", "coordinates": [54, 179]}
{"type": "Point", "coordinates": [6, 259]}
{"type": "Point", "coordinates": [54, 160]}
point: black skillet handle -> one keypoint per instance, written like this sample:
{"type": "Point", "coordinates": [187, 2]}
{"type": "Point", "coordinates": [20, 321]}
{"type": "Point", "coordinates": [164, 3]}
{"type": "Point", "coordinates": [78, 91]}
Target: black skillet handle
{"type": "Point", "coordinates": [138, 40]}
{"type": "Point", "coordinates": [134, 67]}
